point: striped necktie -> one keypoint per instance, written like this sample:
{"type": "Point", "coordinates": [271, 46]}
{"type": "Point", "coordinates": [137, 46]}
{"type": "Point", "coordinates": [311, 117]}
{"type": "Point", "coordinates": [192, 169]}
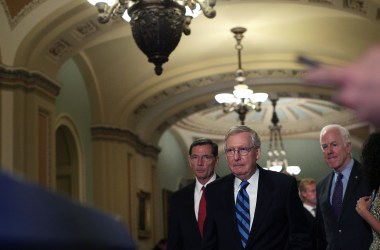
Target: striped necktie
{"type": "Point", "coordinates": [242, 212]}
{"type": "Point", "coordinates": [337, 198]}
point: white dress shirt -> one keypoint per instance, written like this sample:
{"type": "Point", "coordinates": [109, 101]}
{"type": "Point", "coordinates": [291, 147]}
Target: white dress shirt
{"type": "Point", "coordinates": [198, 193]}
{"type": "Point", "coordinates": [309, 208]}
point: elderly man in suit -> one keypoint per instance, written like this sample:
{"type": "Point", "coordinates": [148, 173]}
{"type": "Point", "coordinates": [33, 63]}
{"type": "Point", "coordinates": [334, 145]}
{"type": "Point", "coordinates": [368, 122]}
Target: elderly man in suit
{"type": "Point", "coordinates": [340, 227]}
{"type": "Point", "coordinates": [188, 205]}
{"type": "Point", "coordinates": [253, 208]}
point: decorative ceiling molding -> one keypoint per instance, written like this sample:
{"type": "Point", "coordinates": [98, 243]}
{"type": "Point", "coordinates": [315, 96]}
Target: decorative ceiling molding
{"type": "Point", "coordinates": [13, 78]}
{"type": "Point", "coordinates": [16, 10]}
{"type": "Point", "coordinates": [84, 30]}
{"type": "Point", "coordinates": [308, 115]}
{"type": "Point", "coordinates": [252, 75]}
{"type": "Point", "coordinates": [58, 50]}
{"type": "Point", "coordinates": [101, 132]}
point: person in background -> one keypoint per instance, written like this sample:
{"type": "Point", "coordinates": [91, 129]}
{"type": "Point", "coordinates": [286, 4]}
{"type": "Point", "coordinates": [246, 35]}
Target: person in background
{"type": "Point", "coordinates": [358, 84]}
{"type": "Point", "coordinates": [308, 194]}
{"type": "Point", "coordinates": [253, 208]}
{"type": "Point", "coordinates": [368, 207]}
{"type": "Point", "coordinates": [188, 205]}
{"type": "Point", "coordinates": [161, 245]}
{"type": "Point", "coordinates": [338, 192]}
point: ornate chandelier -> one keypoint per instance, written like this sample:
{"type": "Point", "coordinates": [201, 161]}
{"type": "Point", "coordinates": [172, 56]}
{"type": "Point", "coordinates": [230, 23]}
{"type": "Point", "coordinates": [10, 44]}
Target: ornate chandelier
{"type": "Point", "coordinates": [277, 160]}
{"type": "Point", "coordinates": [243, 98]}
{"type": "Point", "coordinates": [157, 25]}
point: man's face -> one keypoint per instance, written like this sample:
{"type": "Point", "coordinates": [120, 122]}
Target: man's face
{"type": "Point", "coordinates": [310, 194]}
{"type": "Point", "coordinates": [337, 154]}
{"type": "Point", "coordinates": [202, 162]}
{"type": "Point", "coordinates": [242, 166]}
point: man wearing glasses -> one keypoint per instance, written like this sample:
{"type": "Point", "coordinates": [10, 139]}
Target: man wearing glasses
{"type": "Point", "coordinates": [188, 205]}
{"type": "Point", "coordinates": [253, 208]}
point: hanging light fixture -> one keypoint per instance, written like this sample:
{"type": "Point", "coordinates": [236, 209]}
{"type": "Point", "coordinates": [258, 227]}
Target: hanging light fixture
{"type": "Point", "coordinates": [243, 98]}
{"type": "Point", "coordinates": [157, 25]}
{"type": "Point", "coordinates": [277, 160]}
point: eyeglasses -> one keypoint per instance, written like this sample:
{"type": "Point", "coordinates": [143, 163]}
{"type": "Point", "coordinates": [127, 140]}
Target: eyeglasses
{"type": "Point", "coordinates": [241, 151]}
{"type": "Point", "coordinates": [203, 157]}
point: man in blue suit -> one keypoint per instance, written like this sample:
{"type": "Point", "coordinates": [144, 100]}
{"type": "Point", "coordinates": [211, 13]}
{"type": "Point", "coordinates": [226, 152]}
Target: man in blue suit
{"type": "Point", "coordinates": [33, 218]}
{"type": "Point", "coordinates": [186, 223]}
{"type": "Point", "coordinates": [253, 208]}
{"type": "Point", "coordinates": [342, 228]}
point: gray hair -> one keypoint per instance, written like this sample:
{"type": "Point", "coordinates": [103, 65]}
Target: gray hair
{"type": "Point", "coordinates": [343, 132]}
{"type": "Point", "coordinates": [256, 142]}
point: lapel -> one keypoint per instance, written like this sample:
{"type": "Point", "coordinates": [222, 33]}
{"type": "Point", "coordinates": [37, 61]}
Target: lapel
{"type": "Point", "coordinates": [325, 193]}
{"type": "Point", "coordinates": [229, 196]}
{"type": "Point", "coordinates": [188, 207]}
{"type": "Point", "coordinates": [265, 197]}
{"type": "Point", "coordinates": [325, 196]}
{"type": "Point", "coordinates": [353, 182]}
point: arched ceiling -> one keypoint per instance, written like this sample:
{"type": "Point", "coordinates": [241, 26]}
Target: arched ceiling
{"type": "Point", "coordinates": [126, 93]}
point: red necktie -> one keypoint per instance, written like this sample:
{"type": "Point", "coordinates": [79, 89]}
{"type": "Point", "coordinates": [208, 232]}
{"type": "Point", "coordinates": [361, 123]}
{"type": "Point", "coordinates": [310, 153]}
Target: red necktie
{"type": "Point", "coordinates": [202, 211]}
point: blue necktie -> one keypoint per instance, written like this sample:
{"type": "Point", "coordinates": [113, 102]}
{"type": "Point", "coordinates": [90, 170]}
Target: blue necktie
{"type": "Point", "coordinates": [242, 212]}
{"type": "Point", "coordinates": [337, 198]}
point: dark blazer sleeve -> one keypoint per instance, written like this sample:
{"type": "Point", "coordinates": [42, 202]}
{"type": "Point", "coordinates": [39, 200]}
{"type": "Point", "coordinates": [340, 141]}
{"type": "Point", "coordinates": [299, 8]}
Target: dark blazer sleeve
{"type": "Point", "coordinates": [175, 240]}
{"type": "Point", "coordinates": [219, 219]}
{"type": "Point", "coordinates": [299, 233]}
{"type": "Point", "coordinates": [320, 234]}
{"type": "Point", "coordinates": [183, 227]}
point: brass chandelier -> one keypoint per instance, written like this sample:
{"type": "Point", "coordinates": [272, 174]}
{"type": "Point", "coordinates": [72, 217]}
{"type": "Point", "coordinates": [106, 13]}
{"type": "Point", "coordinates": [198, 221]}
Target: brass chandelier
{"type": "Point", "coordinates": [157, 25]}
{"type": "Point", "coordinates": [243, 98]}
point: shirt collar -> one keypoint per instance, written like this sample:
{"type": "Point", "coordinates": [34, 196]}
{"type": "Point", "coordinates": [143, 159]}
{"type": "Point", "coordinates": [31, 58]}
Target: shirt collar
{"type": "Point", "coordinates": [198, 185]}
{"type": "Point", "coordinates": [250, 180]}
{"type": "Point", "coordinates": [347, 170]}
{"type": "Point", "coordinates": [308, 207]}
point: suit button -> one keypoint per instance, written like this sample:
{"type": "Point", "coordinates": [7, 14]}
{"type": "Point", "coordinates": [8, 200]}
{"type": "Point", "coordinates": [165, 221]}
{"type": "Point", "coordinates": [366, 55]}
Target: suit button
{"type": "Point", "coordinates": [340, 230]}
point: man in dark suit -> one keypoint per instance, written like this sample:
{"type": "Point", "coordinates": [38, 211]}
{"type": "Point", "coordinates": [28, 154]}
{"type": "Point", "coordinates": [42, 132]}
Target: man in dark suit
{"type": "Point", "coordinates": [308, 194]}
{"type": "Point", "coordinates": [253, 208]}
{"type": "Point", "coordinates": [340, 226]}
{"type": "Point", "coordinates": [187, 209]}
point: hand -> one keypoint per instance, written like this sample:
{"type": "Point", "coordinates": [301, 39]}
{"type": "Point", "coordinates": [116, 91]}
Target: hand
{"type": "Point", "coordinates": [358, 84]}
{"type": "Point", "coordinates": [363, 205]}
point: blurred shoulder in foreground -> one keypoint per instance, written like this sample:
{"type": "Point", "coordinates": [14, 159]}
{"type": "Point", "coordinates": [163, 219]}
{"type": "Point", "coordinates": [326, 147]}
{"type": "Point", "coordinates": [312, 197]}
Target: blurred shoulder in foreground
{"type": "Point", "coordinates": [33, 218]}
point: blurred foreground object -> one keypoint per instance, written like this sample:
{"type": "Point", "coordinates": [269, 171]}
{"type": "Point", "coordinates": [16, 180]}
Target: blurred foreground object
{"type": "Point", "coordinates": [357, 84]}
{"type": "Point", "coordinates": [33, 218]}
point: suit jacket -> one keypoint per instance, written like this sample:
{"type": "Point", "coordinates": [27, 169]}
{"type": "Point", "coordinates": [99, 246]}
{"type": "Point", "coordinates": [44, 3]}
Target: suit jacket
{"type": "Point", "coordinates": [312, 227]}
{"type": "Point", "coordinates": [351, 231]}
{"type": "Point", "coordinates": [310, 219]}
{"type": "Point", "coordinates": [183, 226]}
{"type": "Point", "coordinates": [279, 219]}
{"type": "Point", "coordinates": [33, 218]}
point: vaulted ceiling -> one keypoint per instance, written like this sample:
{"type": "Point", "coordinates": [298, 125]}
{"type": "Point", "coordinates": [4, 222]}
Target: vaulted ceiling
{"type": "Point", "coordinates": [126, 93]}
